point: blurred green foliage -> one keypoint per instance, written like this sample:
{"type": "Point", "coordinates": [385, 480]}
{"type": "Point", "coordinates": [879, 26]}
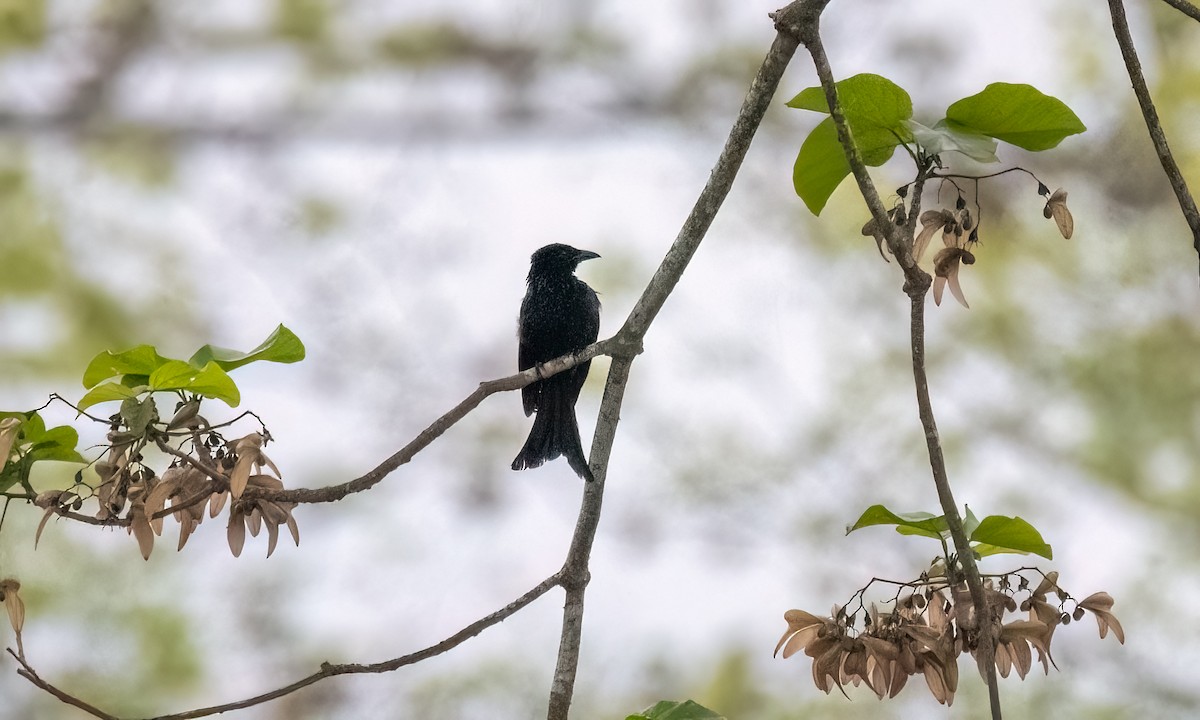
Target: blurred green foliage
{"type": "Point", "coordinates": [39, 277]}
{"type": "Point", "coordinates": [137, 153]}
{"type": "Point", "coordinates": [22, 24]}
{"type": "Point", "coordinates": [141, 654]}
{"type": "Point", "coordinates": [426, 43]}
{"type": "Point", "coordinates": [1142, 388]}
{"type": "Point", "coordinates": [305, 21]}
{"type": "Point", "coordinates": [319, 216]}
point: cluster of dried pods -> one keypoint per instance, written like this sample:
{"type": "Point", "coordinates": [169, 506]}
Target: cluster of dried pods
{"type": "Point", "coordinates": [960, 233]}
{"type": "Point", "coordinates": [925, 633]}
{"type": "Point", "coordinates": [188, 490]}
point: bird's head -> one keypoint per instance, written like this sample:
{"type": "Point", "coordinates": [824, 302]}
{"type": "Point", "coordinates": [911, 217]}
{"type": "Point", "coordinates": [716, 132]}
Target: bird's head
{"type": "Point", "coordinates": [558, 258]}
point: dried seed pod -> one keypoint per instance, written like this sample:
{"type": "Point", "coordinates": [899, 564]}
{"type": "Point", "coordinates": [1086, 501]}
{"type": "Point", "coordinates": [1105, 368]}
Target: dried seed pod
{"type": "Point", "coordinates": [1056, 207]}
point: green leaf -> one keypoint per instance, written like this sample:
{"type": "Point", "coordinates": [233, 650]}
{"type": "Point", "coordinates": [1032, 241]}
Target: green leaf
{"type": "Point", "coordinates": [210, 381]}
{"type": "Point", "coordinates": [941, 138]}
{"type": "Point", "coordinates": [671, 710]}
{"type": "Point", "coordinates": [970, 522]}
{"type": "Point", "coordinates": [876, 110]}
{"type": "Point", "coordinates": [141, 360]}
{"type": "Point", "coordinates": [932, 528]}
{"type": "Point", "coordinates": [820, 167]}
{"type": "Point", "coordinates": [57, 443]}
{"type": "Point", "coordinates": [135, 381]}
{"type": "Point", "coordinates": [866, 99]}
{"type": "Point", "coordinates": [1000, 534]}
{"type": "Point", "coordinates": [1015, 113]}
{"type": "Point", "coordinates": [33, 428]}
{"type": "Point", "coordinates": [58, 452]}
{"type": "Point", "coordinates": [63, 435]}
{"type": "Point", "coordinates": [918, 523]}
{"type": "Point", "coordinates": [138, 414]}
{"type": "Point", "coordinates": [11, 474]}
{"type": "Point", "coordinates": [281, 346]}
{"type": "Point", "coordinates": [108, 392]}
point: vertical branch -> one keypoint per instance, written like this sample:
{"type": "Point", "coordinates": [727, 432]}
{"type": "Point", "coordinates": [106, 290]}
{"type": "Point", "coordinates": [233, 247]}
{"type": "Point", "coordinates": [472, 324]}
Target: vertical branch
{"type": "Point", "coordinates": [1133, 65]}
{"type": "Point", "coordinates": [575, 573]}
{"type": "Point", "coordinates": [802, 19]}
{"type": "Point", "coordinates": [987, 633]}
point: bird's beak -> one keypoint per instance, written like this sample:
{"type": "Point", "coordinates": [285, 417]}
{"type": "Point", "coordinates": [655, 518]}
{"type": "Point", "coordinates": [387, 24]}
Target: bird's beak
{"type": "Point", "coordinates": [585, 255]}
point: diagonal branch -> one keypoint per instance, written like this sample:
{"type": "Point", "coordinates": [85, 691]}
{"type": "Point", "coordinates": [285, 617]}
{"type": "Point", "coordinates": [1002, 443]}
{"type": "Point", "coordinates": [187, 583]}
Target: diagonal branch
{"type": "Point", "coordinates": [327, 670]}
{"type": "Point", "coordinates": [334, 493]}
{"type": "Point", "coordinates": [575, 572]}
{"type": "Point", "coordinates": [1187, 204]}
{"type": "Point", "coordinates": [1186, 8]}
{"type": "Point", "coordinates": [31, 675]}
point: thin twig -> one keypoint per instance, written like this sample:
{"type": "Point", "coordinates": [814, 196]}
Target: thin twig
{"type": "Point", "coordinates": [29, 674]}
{"type": "Point", "coordinates": [327, 670]}
{"type": "Point", "coordinates": [73, 406]}
{"type": "Point", "coordinates": [1186, 8]}
{"type": "Point", "coordinates": [985, 177]}
{"type": "Point", "coordinates": [1187, 204]}
{"type": "Point", "coordinates": [334, 493]}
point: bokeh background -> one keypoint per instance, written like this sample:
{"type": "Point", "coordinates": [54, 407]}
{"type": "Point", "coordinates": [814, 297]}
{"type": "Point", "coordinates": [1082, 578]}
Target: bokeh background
{"type": "Point", "coordinates": [375, 175]}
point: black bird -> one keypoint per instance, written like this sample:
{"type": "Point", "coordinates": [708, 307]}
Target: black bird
{"type": "Point", "coordinates": [560, 314]}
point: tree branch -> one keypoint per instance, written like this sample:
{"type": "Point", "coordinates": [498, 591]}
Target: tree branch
{"type": "Point", "coordinates": [31, 675]}
{"type": "Point", "coordinates": [802, 19]}
{"type": "Point", "coordinates": [334, 493]}
{"type": "Point", "coordinates": [619, 347]}
{"type": "Point", "coordinates": [575, 572]}
{"type": "Point", "coordinates": [327, 670]}
{"type": "Point", "coordinates": [1186, 8]}
{"type": "Point", "coordinates": [1187, 204]}
{"type": "Point", "coordinates": [987, 632]}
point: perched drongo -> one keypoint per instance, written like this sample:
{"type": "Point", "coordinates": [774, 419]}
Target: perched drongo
{"type": "Point", "coordinates": [560, 314]}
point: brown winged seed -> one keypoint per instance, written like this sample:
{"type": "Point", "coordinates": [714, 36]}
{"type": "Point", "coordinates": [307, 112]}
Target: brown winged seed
{"type": "Point", "coordinates": [1056, 207]}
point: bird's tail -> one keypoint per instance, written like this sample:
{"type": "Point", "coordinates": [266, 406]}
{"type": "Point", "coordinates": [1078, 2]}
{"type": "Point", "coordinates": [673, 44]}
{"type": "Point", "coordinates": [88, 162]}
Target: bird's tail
{"type": "Point", "coordinates": [555, 432]}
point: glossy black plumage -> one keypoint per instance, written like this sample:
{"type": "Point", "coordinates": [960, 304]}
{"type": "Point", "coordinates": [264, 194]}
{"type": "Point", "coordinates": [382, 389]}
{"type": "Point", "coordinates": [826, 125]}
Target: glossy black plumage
{"type": "Point", "coordinates": [560, 314]}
